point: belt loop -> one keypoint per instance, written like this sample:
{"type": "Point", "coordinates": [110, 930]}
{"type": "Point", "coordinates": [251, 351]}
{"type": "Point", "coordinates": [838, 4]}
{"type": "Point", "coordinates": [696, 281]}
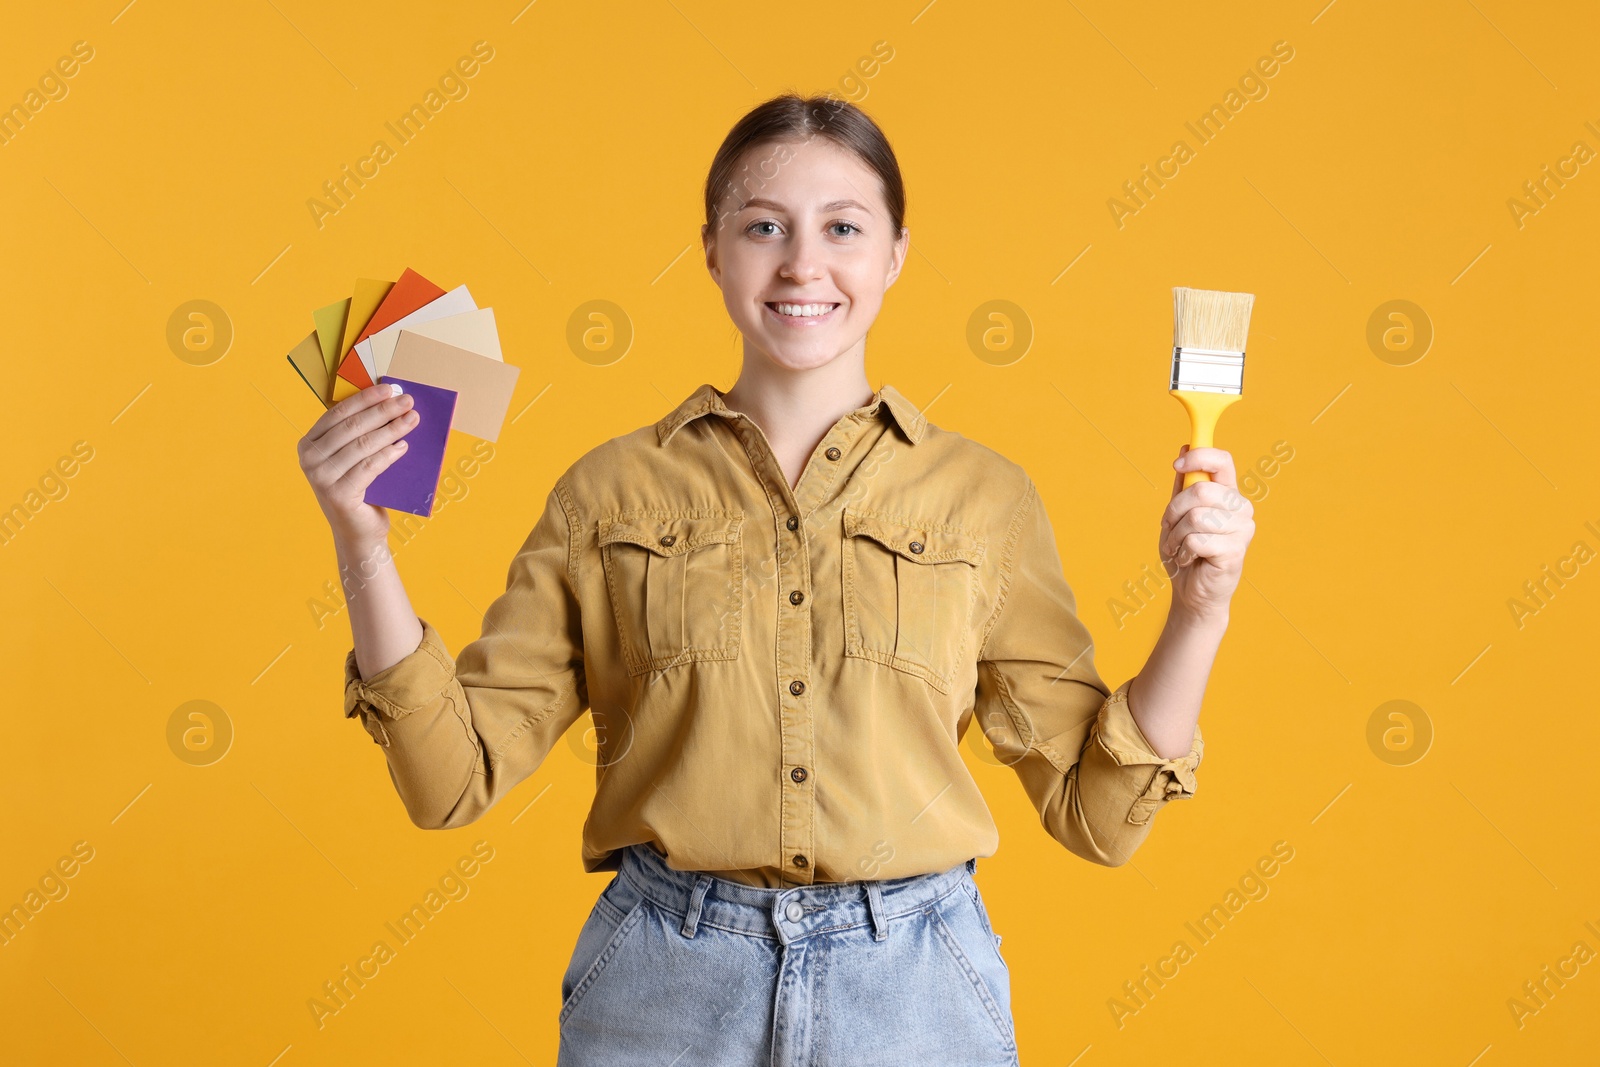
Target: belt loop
{"type": "Point", "coordinates": [880, 922]}
{"type": "Point", "coordinates": [691, 919]}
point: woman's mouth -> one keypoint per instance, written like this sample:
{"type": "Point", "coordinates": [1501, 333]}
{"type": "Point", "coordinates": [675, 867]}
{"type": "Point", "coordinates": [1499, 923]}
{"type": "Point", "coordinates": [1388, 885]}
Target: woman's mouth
{"type": "Point", "coordinates": [801, 315]}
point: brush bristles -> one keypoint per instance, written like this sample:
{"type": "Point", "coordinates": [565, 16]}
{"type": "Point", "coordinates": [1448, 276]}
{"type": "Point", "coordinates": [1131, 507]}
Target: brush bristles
{"type": "Point", "coordinates": [1206, 318]}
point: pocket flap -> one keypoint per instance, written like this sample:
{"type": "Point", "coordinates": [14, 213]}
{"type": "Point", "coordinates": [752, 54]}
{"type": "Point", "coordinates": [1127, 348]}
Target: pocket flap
{"type": "Point", "coordinates": [670, 535]}
{"type": "Point", "coordinates": [919, 542]}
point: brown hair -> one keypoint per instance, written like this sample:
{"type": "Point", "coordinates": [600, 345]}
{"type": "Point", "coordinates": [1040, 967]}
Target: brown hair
{"type": "Point", "coordinates": [791, 117]}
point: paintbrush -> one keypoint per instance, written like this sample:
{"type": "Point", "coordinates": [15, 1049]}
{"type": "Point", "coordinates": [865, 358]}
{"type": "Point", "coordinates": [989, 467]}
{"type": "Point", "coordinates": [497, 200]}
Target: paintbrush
{"type": "Point", "coordinates": [1208, 336]}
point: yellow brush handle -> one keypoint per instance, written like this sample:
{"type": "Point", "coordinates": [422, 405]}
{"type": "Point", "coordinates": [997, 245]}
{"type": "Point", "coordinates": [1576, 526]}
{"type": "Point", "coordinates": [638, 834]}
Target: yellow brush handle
{"type": "Point", "coordinates": [1204, 409]}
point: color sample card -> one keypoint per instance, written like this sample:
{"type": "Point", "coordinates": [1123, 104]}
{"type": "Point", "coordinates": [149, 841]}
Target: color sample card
{"type": "Point", "coordinates": [485, 385]}
{"type": "Point", "coordinates": [411, 482]}
{"type": "Point", "coordinates": [411, 292]}
{"type": "Point", "coordinates": [330, 330]}
{"type": "Point", "coordinates": [307, 361]}
{"type": "Point", "coordinates": [455, 302]}
{"type": "Point", "coordinates": [369, 293]}
{"type": "Point", "coordinates": [445, 351]}
{"type": "Point", "coordinates": [474, 331]}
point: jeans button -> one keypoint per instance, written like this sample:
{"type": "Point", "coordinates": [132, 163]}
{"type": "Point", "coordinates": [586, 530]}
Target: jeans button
{"type": "Point", "coordinates": [794, 912]}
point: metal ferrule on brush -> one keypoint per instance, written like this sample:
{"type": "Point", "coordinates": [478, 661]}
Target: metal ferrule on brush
{"type": "Point", "coordinates": [1207, 370]}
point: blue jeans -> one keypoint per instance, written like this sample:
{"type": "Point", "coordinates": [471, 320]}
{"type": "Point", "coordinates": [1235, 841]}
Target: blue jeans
{"type": "Point", "coordinates": [680, 968]}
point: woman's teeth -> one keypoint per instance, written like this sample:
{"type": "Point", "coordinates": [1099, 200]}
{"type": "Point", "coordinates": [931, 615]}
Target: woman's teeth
{"type": "Point", "coordinates": [802, 310]}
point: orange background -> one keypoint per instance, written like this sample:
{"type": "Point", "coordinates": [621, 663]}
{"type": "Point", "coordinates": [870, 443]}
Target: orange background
{"type": "Point", "coordinates": [183, 560]}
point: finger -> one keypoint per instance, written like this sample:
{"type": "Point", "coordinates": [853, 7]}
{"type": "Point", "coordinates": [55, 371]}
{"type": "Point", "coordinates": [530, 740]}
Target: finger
{"type": "Point", "coordinates": [364, 471]}
{"type": "Point", "coordinates": [1177, 479]}
{"type": "Point", "coordinates": [1189, 546]}
{"type": "Point", "coordinates": [1202, 496]}
{"type": "Point", "coordinates": [364, 421]}
{"type": "Point", "coordinates": [350, 405]}
{"type": "Point", "coordinates": [369, 443]}
{"type": "Point", "coordinates": [1199, 546]}
{"type": "Point", "coordinates": [1216, 462]}
{"type": "Point", "coordinates": [1201, 521]}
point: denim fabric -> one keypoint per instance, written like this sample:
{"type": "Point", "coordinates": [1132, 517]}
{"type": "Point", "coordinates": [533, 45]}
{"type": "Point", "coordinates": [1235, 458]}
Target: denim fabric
{"type": "Point", "coordinates": [685, 968]}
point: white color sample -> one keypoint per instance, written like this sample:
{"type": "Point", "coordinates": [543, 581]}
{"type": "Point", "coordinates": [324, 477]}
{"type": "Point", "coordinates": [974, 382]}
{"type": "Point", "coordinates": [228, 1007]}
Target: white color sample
{"type": "Point", "coordinates": [455, 302]}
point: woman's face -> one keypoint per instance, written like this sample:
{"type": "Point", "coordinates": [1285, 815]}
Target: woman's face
{"type": "Point", "coordinates": [803, 252]}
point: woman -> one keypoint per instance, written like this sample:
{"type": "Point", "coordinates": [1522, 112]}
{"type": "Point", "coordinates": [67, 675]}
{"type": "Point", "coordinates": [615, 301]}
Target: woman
{"type": "Point", "coordinates": [784, 604]}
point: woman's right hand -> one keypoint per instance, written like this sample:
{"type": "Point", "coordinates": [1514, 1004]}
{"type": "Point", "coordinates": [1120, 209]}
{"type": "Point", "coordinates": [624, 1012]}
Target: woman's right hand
{"type": "Point", "coordinates": [352, 443]}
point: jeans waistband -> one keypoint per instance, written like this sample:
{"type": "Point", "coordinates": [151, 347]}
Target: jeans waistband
{"type": "Point", "coordinates": [784, 915]}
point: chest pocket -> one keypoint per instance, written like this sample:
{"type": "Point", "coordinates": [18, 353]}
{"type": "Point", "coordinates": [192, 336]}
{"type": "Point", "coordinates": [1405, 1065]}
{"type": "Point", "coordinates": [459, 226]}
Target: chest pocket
{"type": "Point", "coordinates": [908, 593]}
{"type": "Point", "coordinates": [677, 585]}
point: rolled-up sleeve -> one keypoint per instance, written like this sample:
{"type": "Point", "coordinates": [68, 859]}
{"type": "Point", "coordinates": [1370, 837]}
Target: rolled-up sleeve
{"type": "Point", "coordinates": [459, 733]}
{"type": "Point", "coordinates": [1073, 742]}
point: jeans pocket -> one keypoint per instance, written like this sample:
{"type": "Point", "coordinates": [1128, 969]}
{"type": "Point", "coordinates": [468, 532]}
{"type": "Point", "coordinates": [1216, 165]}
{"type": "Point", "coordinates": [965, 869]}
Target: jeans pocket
{"type": "Point", "coordinates": [616, 913]}
{"type": "Point", "coordinates": [983, 913]}
{"type": "Point", "coordinates": [961, 929]}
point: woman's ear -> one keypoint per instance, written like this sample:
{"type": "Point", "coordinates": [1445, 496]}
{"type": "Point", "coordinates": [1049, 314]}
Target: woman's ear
{"type": "Point", "coordinates": [709, 244]}
{"type": "Point", "coordinates": [897, 256]}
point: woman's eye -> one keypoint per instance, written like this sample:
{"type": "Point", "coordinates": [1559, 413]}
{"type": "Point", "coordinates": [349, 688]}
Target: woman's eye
{"type": "Point", "coordinates": [850, 229]}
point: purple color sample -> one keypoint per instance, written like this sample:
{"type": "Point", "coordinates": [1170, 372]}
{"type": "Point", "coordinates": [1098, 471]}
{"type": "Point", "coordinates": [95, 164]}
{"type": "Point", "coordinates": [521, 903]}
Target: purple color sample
{"type": "Point", "coordinates": [410, 482]}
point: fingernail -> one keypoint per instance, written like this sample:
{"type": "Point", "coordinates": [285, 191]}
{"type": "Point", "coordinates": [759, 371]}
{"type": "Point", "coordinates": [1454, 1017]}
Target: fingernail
{"type": "Point", "coordinates": [396, 387]}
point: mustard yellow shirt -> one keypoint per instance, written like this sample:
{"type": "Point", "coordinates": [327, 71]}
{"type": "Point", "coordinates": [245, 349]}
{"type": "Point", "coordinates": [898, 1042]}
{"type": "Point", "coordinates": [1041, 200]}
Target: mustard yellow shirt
{"type": "Point", "coordinates": [780, 680]}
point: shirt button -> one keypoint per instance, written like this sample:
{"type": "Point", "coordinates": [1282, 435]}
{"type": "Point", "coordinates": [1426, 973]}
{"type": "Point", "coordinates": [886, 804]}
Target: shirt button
{"type": "Point", "coordinates": [794, 912]}
{"type": "Point", "coordinates": [668, 539]}
{"type": "Point", "coordinates": [793, 523]}
{"type": "Point", "coordinates": [796, 596]}
{"type": "Point", "coordinates": [801, 861]}
{"type": "Point", "coordinates": [832, 453]}
{"type": "Point", "coordinates": [797, 687]}
{"type": "Point", "coordinates": [916, 546]}
{"type": "Point", "coordinates": [798, 774]}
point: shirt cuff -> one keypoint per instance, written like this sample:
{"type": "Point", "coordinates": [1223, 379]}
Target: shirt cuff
{"type": "Point", "coordinates": [1172, 779]}
{"type": "Point", "coordinates": [408, 685]}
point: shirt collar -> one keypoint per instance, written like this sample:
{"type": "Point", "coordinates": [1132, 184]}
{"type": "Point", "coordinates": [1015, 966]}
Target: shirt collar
{"type": "Point", "coordinates": [707, 399]}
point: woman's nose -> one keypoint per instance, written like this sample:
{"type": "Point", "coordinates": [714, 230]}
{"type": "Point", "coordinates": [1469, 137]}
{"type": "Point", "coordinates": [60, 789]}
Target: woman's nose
{"type": "Point", "coordinates": [802, 261]}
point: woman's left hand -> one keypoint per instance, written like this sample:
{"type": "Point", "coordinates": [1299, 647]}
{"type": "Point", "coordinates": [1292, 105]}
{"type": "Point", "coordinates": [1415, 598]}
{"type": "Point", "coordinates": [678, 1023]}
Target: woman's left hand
{"type": "Point", "coordinates": [1204, 533]}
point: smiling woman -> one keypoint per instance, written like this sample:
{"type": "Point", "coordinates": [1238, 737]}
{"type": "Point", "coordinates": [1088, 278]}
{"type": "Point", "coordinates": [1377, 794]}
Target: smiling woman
{"type": "Point", "coordinates": [803, 276]}
{"type": "Point", "coordinates": [784, 604]}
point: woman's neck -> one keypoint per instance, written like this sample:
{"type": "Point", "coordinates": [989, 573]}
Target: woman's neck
{"type": "Point", "coordinates": [796, 409]}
